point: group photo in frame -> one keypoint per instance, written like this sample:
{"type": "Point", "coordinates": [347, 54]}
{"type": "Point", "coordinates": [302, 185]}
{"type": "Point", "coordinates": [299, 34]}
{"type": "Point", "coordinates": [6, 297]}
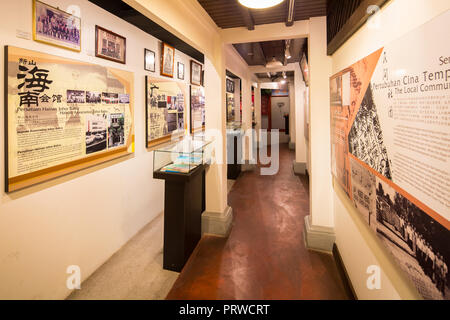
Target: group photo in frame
{"type": "Point", "coordinates": [167, 60]}
{"type": "Point", "coordinates": [196, 73]}
{"type": "Point", "coordinates": [180, 69]}
{"type": "Point", "coordinates": [149, 60]}
{"type": "Point", "coordinates": [56, 27]}
{"type": "Point", "coordinates": [110, 45]}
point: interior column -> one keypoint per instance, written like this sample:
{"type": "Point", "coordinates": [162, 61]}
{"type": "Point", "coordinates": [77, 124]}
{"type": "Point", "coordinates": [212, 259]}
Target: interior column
{"type": "Point", "coordinates": [319, 224]}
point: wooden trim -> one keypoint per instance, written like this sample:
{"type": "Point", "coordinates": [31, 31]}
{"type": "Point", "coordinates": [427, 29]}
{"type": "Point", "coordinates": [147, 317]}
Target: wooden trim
{"type": "Point", "coordinates": [357, 19]}
{"type": "Point", "coordinates": [106, 57]}
{"type": "Point", "coordinates": [146, 111]}
{"type": "Point", "coordinates": [348, 287]}
{"type": "Point", "coordinates": [164, 45]}
{"type": "Point", "coordinates": [6, 141]}
{"type": "Point", "coordinates": [246, 16]}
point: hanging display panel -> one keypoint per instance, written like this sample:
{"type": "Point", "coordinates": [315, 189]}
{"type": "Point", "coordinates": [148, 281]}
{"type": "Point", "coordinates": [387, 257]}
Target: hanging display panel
{"type": "Point", "coordinates": [390, 129]}
{"type": "Point", "coordinates": [230, 107]}
{"type": "Point", "coordinates": [165, 110]}
{"type": "Point", "coordinates": [197, 108]}
{"type": "Point", "coordinates": [62, 115]}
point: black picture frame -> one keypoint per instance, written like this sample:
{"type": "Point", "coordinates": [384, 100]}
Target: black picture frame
{"type": "Point", "coordinates": [147, 54]}
{"type": "Point", "coordinates": [180, 76]}
{"type": "Point", "coordinates": [196, 73]}
{"type": "Point", "coordinates": [230, 85]}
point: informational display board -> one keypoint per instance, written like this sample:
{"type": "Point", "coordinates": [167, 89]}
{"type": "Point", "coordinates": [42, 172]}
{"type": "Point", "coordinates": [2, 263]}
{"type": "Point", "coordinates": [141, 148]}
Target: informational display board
{"type": "Point", "coordinates": [62, 115]}
{"type": "Point", "coordinates": [165, 106]}
{"type": "Point", "coordinates": [390, 127]}
{"type": "Point", "coordinates": [230, 107]}
{"type": "Point", "coordinates": [197, 108]}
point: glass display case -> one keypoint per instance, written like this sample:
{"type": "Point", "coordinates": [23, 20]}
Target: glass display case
{"type": "Point", "coordinates": [183, 156]}
{"type": "Point", "coordinates": [234, 127]}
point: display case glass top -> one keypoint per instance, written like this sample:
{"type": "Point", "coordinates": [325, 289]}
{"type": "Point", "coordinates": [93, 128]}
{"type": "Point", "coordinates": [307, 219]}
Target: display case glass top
{"type": "Point", "coordinates": [183, 156]}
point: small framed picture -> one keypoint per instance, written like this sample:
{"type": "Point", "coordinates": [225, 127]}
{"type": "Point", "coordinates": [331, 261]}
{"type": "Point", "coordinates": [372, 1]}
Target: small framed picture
{"type": "Point", "coordinates": [110, 45]}
{"type": "Point", "coordinates": [230, 86]}
{"type": "Point", "coordinates": [149, 60]}
{"type": "Point", "coordinates": [180, 71]}
{"type": "Point", "coordinates": [167, 60]}
{"type": "Point", "coordinates": [56, 27]}
{"type": "Point", "coordinates": [196, 73]}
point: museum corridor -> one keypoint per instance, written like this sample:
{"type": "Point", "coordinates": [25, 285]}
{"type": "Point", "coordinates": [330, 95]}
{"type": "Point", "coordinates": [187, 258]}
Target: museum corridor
{"type": "Point", "coordinates": [264, 256]}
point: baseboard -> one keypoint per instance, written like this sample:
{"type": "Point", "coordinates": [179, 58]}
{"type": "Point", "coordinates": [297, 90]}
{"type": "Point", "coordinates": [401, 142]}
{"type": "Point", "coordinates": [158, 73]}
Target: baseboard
{"type": "Point", "coordinates": [318, 238]}
{"type": "Point", "coordinates": [217, 223]}
{"type": "Point", "coordinates": [347, 283]}
{"type": "Point", "coordinates": [299, 167]}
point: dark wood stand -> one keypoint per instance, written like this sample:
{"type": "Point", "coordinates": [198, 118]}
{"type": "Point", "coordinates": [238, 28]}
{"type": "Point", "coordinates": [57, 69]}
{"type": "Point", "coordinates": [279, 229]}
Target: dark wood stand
{"type": "Point", "coordinates": [184, 201]}
{"type": "Point", "coordinates": [233, 167]}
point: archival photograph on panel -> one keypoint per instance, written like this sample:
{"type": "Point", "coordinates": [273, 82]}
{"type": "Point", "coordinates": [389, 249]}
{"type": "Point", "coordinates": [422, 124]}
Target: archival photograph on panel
{"type": "Point", "coordinates": [124, 98]}
{"type": "Point", "coordinates": [336, 91]}
{"type": "Point", "coordinates": [116, 132]}
{"type": "Point", "coordinates": [366, 137]}
{"type": "Point", "coordinates": [110, 98]}
{"type": "Point", "coordinates": [417, 242]}
{"type": "Point", "coordinates": [95, 133]}
{"type": "Point", "coordinates": [180, 121]}
{"type": "Point", "coordinates": [363, 192]}
{"type": "Point", "coordinates": [93, 97]}
{"type": "Point", "coordinates": [75, 96]}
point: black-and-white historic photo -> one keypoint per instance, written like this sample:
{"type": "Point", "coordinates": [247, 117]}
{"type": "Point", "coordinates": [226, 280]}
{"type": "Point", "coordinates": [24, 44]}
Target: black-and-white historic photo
{"type": "Point", "coordinates": [96, 133]}
{"type": "Point", "coordinates": [93, 97]}
{"type": "Point", "coordinates": [366, 138]}
{"type": "Point", "coordinates": [116, 132]}
{"type": "Point", "coordinates": [75, 96]}
{"type": "Point", "coordinates": [363, 192]}
{"type": "Point", "coordinates": [417, 241]}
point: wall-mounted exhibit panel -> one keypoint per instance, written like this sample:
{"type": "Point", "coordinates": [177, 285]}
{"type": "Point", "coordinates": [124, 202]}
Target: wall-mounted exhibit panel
{"type": "Point", "coordinates": [62, 115]}
{"type": "Point", "coordinates": [197, 112]}
{"type": "Point", "coordinates": [390, 132]}
{"type": "Point", "coordinates": [230, 107]}
{"type": "Point", "coordinates": [165, 110]}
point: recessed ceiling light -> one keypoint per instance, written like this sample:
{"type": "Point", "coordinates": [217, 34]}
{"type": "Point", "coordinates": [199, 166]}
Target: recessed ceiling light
{"type": "Point", "coordinates": [260, 4]}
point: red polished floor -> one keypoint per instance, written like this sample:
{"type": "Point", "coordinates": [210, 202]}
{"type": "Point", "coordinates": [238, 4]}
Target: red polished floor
{"type": "Point", "coordinates": [264, 256]}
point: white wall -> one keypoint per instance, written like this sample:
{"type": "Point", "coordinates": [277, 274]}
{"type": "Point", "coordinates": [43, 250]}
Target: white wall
{"type": "Point", "coordinates": [82, 218]}
{"type": "Point", "coordinates": [358, 245]}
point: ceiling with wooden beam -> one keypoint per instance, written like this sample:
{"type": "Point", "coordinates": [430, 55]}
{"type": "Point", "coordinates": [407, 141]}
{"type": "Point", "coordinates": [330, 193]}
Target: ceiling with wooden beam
{"type": "Point", "coordinates": [259, 53]}
{"type": "Point", "coordinates": [231, 14]}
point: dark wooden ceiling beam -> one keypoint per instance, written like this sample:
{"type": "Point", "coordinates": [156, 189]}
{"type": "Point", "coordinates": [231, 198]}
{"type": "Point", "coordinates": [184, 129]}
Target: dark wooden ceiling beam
{"type": "Point", "coordinates": [356, 20]}
{"type": "Point", "coordinates": [290, 13]}
{"type": "Point", "coordinates": [246, 16]}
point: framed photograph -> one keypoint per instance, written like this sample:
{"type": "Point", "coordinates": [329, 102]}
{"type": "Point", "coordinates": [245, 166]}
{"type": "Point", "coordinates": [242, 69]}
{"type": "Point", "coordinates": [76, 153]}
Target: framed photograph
{"type": "Point", "coordinates": [167, 60]}
{"type": "Point", "coordinates": [198, 112]}
{"type": "Point", "coordinates": [230, 86]}
{"type": "Point", "coordinates": [56, 27]}
{"type": "Point", "coordinates": [180, 71]}
{"type": "Point", "coordinates": [149, 60]}
{"type": "Point", "coordinates": [196, 73]}
{"type": "Point", "coordinates": [110, 45]}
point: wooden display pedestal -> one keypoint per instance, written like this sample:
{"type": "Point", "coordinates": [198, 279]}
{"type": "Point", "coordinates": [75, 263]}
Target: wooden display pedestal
{"type": "Point", "coordinates": [233, 167]}
{"type": "Point", "coordinates": [184, 202]}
